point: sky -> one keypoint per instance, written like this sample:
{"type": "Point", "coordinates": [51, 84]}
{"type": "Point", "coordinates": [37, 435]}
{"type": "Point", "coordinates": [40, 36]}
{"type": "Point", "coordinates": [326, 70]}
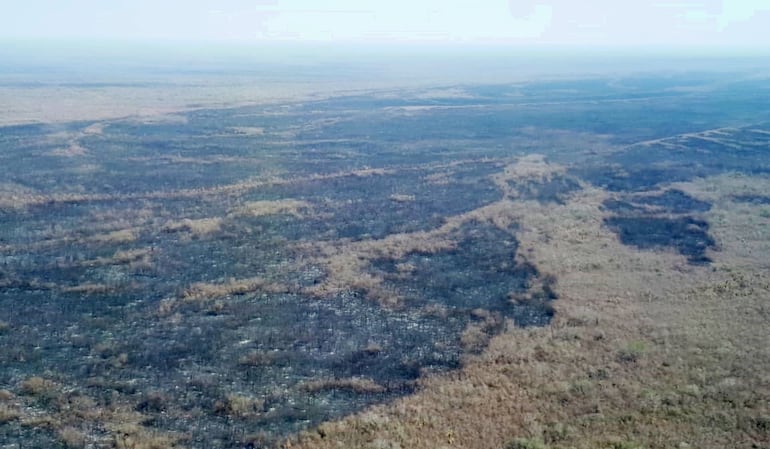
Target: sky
{"type": "Point", "coordinates": [724, 23]}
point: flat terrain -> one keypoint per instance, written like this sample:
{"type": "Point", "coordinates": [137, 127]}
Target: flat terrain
{"type": "Point", "coordinates": [545, 264]}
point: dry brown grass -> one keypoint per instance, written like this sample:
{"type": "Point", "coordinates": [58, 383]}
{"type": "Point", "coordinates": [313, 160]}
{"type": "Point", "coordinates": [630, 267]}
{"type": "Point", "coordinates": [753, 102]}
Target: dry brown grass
{"type": "Point", "coordinates": [131, 435]}
{"type": "Point", "coordinates": [355, 384]}
{"type": "Point", "coordinates": [239, 405]}
{"type": "Point", "coordinates": [202, 290]}
{"type": "Point", "coordinates": [36, 386]}
{"type": "Point", "coordinates": [295, 208]}
{"type": "Point", "coordinates": [14, 196]}
{"type": "Point", "coordinates": [200, 227]}
{"type": "Point", "coordinates": [134, 259]}
{"type": "Point", "coordinates": [89, 289]}
{"type": "Point", "coordinates": [79, 421]}
{"type": "Point", "coordinates": [644, 351]}
{"type": "Point", "coordinates": [347, 264]}
{"type": "Point", "coordinates": [532, 167]}
{"type": "Point", "coordinates": [203, 294]}
{"type": "Point", "coordinates": [52, 104]}
{"type": "Point", "coordinates": [100, 227]}
{"type": "Point", "coordinates": [115, 237]}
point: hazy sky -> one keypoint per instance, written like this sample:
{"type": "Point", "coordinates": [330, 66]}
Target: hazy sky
{"type": "Point", "coordinates": [587, 22]}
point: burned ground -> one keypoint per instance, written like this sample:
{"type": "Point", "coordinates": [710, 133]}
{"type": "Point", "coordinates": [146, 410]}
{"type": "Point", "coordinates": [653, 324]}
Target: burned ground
{"type": "Point", "coordinates": [266, 269]}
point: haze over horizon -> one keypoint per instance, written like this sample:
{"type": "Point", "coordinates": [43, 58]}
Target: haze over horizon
{"type": "Point", "coordinates": [707, 23]}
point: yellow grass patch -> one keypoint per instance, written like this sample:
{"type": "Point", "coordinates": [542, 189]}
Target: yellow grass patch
{"type": "Point", "coordinates": [131, 256]}
{"type": "Point", "coordinates": [295, 208]}
{"type": "Point", "coordinates": [210, 294]}
{"type": "Point", "coordinates": [355, 384]}
{"type": "Point", "coordinates": [239, 405]}
{"type": "Point", "coordinates": [115, 237]}
{"type": "Point", "coordinates": [202, 290]}
{"type": "Point", "coordinates": [128, 432]}
{"type": "Point", "coordinates": [140, 258]}
{"type": "Point", "coordinates": [200, 227]}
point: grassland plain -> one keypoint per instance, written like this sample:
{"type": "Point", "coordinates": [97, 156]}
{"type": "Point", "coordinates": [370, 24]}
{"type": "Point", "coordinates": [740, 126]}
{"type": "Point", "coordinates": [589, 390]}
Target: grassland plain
{"type": "Point", "coordinates": [381, 269]}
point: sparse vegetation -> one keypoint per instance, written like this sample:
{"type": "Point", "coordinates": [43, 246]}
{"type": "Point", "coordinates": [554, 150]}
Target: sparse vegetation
{"type": "Point", "coordinates": [199, 227]}
{"type": "Point", "coordinates": [261, 208]}
{"type": "Point", "coordinates": [114, 237]}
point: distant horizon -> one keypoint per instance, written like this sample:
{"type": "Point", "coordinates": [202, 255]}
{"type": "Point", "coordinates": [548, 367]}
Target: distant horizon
{"type": "Point", "coordinates": [41, 49]}
{"type": "Point", "coordinates": [107, 58]}
{"type": "Point", "coordinates": [164, 43]}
